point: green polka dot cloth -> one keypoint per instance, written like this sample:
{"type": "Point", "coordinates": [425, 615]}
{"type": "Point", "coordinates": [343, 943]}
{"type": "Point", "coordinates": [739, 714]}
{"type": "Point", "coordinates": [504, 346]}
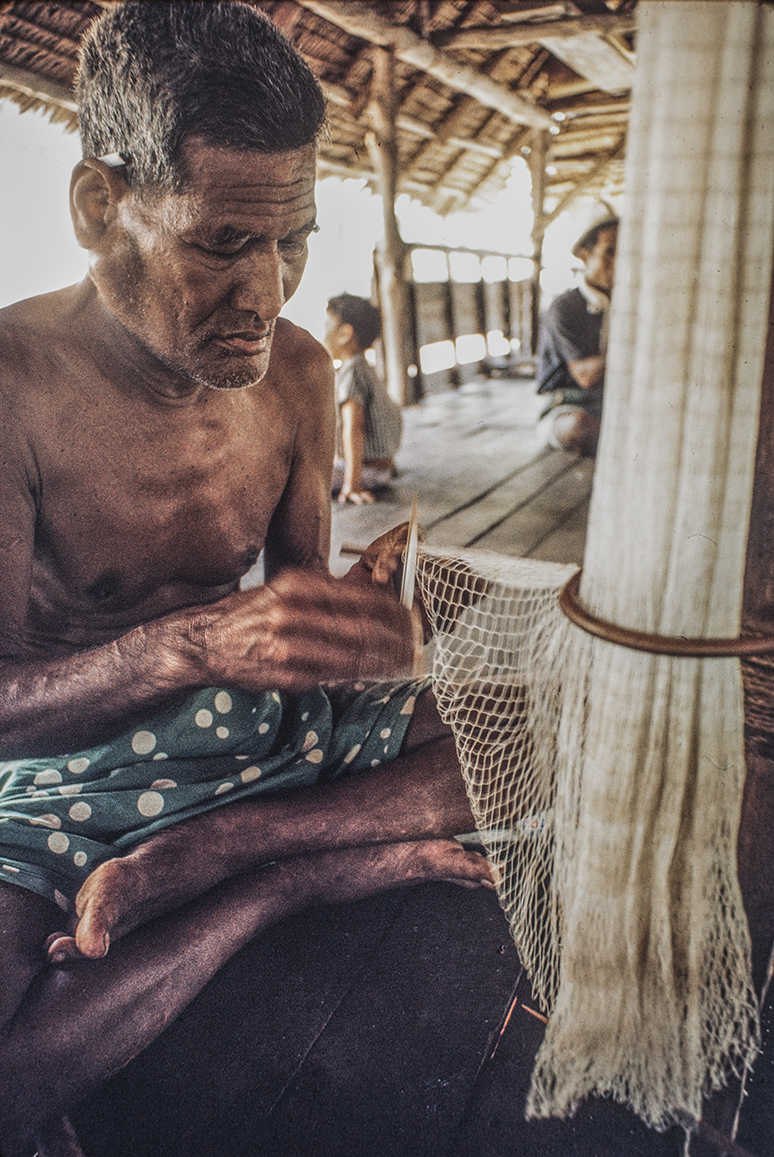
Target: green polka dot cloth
{"type": "Point", "coordinates": [62, 816]}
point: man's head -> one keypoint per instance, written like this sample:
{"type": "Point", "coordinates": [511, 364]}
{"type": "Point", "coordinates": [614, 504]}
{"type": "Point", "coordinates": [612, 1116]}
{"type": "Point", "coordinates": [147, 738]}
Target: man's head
{"type": "Point", "coordinates": [352, 325]}
{"type": "Point", "coordinates": [596, 246]}
{"type": "Point", "coordinates": [196, 193]}
{"type": "Point", "coordinates": [598, 256]}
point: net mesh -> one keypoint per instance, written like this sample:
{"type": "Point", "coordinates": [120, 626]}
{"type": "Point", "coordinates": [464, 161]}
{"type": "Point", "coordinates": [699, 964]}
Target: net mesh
{"type": "Point", "coordinates": [496, 628]}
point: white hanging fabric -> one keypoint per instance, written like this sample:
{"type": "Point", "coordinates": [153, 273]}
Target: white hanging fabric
{"type": "Point", "coordinates": [607, 782]}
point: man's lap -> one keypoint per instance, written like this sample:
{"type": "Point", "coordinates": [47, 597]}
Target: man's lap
{"type": "Point", "coordinates": [60, 817]}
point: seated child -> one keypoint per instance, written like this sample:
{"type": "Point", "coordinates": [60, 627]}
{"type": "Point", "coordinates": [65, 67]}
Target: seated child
{"type": "Point", "coordinates": [369, 422]}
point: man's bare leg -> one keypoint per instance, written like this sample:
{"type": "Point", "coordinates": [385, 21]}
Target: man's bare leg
{"type": "Point", "coordinates": [419, 795]}
{"type": "Point", "coordinates": [66, 1030]}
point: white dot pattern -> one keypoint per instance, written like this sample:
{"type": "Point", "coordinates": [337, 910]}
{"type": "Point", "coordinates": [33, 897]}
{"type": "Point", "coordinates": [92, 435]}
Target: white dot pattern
{"type": "Point", "coordinates": [78, 766]}
{"type": "Point", "coordinates": [223, 702]}
{"type": "Point", "coordinates": [46, 821]}
{"type": "Point", "coordinates": [80, 811]}
{"type": "Point", "coordinates": [150, 803]}
{"type": "Point", "coordinates": [51, 776]}
{"type": "Point", "coordinates": [203, 718]}
{"type": "Point", "coordinates": [58, 842]}
{"type": "Point", "coordinates": [143, 742]}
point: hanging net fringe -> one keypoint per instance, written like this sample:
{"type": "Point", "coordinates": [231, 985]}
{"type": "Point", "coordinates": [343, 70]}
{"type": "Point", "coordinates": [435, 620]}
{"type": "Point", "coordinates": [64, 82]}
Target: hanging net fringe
{"type": "Point", "coordinates": [606, 782]}
{"type": "Point", "coordinates": [648, 990]}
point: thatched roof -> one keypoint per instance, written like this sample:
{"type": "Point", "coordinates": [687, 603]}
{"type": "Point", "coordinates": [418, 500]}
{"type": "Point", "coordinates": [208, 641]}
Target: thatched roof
{"type": "Point", "coordinates": [475, 78]}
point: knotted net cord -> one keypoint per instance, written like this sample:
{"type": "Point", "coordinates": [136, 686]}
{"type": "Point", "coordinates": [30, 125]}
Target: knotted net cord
{"type": "Point", "coordinates": [607, 783]}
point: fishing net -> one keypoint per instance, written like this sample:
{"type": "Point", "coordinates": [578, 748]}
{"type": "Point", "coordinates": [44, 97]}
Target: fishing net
{"type": "Point", "coordinates": [607, 782]}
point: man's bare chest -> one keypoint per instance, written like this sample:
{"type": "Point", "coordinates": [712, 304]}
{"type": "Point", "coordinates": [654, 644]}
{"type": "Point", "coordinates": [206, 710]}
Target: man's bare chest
{"type": "Point", "coordinates": [143, 503]}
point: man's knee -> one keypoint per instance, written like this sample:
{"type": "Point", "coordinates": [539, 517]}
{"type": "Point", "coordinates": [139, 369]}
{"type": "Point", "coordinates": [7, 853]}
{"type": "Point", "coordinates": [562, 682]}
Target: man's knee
{"type": "Point", "coordinates": [577, 431]}
{"type": "Point", "coordinates": [426, 725]}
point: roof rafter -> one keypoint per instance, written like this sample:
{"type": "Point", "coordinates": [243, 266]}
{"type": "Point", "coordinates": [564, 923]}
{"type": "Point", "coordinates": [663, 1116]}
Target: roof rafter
{"type": "Point", "coordinates": [39, 87]}
{"type": "Point", "coordinates": [510, 36]}
{"type": "Point", "coordinates": [360, 20]}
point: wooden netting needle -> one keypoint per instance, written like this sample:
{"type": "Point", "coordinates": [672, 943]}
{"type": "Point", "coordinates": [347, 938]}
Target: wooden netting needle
{"type": "Point", "coordinates": [410, 558]}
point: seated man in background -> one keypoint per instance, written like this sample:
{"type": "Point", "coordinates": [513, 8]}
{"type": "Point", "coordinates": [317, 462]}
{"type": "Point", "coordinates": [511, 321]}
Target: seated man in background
{"type": "Point", "coordinates": [573, 341]}
{"type": "Point", "coordinates": [369, 422]}
{"type": "Point", "coordinates": [175, 776]}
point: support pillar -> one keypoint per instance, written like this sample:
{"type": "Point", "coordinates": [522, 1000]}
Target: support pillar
{"type": "Point", "coordinates": [539, 140]}
{"type": "Point", "coordinates": [382, 142]}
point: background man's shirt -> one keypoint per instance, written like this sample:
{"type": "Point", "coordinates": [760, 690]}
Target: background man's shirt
{"type": "Point", "coordinates": [570, 330]}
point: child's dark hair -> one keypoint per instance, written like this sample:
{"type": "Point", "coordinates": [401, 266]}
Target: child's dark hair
{"type": "Point", "coordinates": [358, 312]}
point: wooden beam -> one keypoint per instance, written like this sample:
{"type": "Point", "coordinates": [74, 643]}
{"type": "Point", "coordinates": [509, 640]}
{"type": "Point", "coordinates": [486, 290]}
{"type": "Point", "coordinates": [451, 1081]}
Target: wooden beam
{"type": "Point", "coordinates": [382, 143]}
{"type": "Point", "coordinates": [456, 118]}
{"type": "Point", "coordinates": [359, 19]}
{"type": "Point", "coordinates": [492, 36]}
{"type": "Point", "coordinates": [39, 87]}
{"type": "Point", "coordinates": [589, 179]}
{"type": "Point", "coordinates": [329, 167]}
{"type": "Point", "coordinates": [420, 129]}
{"type": "Point", "coordinates": [593, 57]}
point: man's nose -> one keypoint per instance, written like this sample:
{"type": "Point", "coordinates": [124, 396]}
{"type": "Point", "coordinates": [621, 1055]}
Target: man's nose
{"type": "Point", "coordinates": [258, 282]}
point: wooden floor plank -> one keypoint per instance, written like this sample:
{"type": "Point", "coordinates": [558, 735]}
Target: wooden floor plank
{"type": "Point", "coordinates": [523, 531]}
{"type": "Point", "coordinates": [455, 447]}
{"type": "Point", "coordinates": [391, 1075]}
{"type": "Point", "coordinates": [494, 1124]}
{"type": "Point", "coordinates": [567, 543]}
{"type": "Point", "coordinates": [473, 522]}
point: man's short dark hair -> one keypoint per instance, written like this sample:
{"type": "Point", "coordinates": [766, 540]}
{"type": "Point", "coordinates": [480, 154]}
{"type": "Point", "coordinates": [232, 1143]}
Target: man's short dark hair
{"type": "Point", "coordinates": [152, 74]}
{"type": "Point", "coordinates": [358, 312]}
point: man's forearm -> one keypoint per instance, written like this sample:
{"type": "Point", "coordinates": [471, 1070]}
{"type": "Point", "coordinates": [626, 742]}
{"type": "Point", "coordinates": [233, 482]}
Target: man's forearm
{"type": "Point", "coordinates": [51, 706]}
{"type": "Point", "coordinates": [588, 372]}
{"type": "Point", "coordinates": [353, 458]}
{"type": "Point", "coordinates": [302, 629]}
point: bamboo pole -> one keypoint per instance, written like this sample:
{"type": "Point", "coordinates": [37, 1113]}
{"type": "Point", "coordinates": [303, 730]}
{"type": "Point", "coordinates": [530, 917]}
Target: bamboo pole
{"type": "Point", "coordinates": [537, 170]}
{"type": "Point", "coordinates": [382, 142]}
{"type": "Point", "coordinates": [39, 87]}
{"type": "Point", "coordinates": [588, 180]}
{"type": "Point", "coordinates": [491, 36]}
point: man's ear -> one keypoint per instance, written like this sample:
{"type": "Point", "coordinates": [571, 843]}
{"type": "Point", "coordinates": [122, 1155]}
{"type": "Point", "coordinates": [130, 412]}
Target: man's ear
{"type": "Point", "coordinates": [95, 190]}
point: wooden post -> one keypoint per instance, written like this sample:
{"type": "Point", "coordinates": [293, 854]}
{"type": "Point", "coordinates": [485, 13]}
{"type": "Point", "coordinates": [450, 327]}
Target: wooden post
{"type": "Point", "coordinates": [382, 142]}
{"type": "Point", "coordinates": [537, 172]}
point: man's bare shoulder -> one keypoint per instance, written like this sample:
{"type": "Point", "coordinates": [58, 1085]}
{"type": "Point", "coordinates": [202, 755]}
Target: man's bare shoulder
{"type": "Point", "coordinates": [31, 333]}
{"type": "Point", "coordinates": [301, 361]}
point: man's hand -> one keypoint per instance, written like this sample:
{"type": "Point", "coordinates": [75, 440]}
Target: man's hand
{"type": "Point", "coordinates": [381, 562]}
{"type": "Point", "coordinates": [302, 629]}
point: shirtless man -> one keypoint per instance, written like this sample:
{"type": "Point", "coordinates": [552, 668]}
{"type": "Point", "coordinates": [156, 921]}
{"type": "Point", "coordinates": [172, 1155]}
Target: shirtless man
{"type": "Point", "coordinates": [161, 425]}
